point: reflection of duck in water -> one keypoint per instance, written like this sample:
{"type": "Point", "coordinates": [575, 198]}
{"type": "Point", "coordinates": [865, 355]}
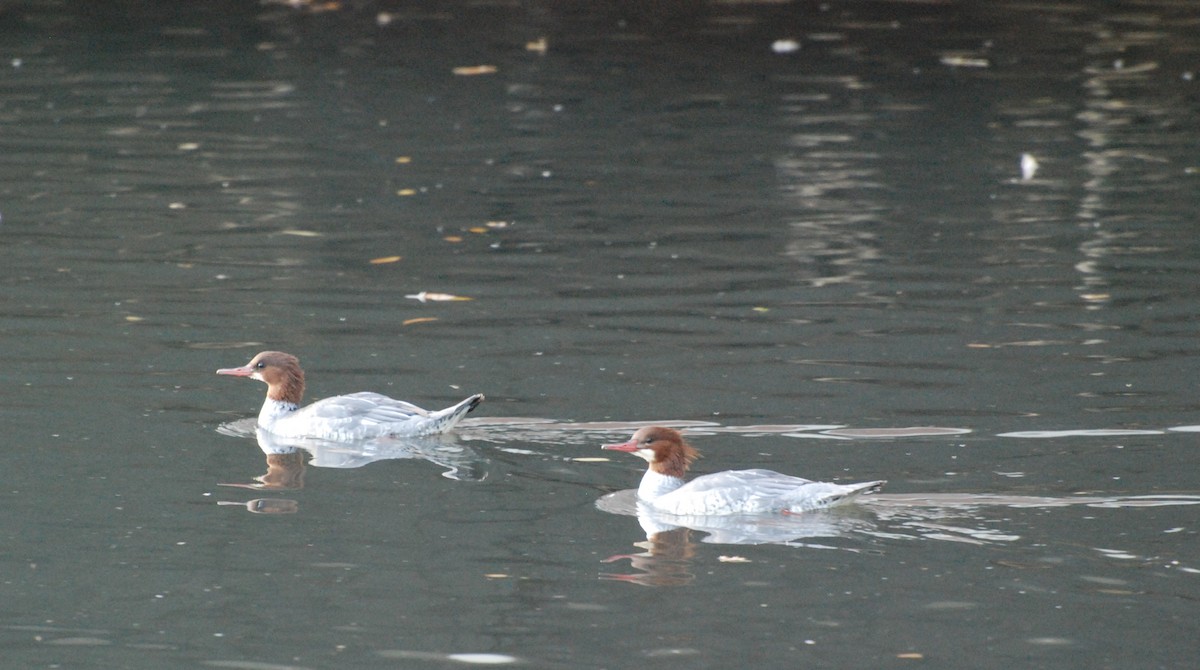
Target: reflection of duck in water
{"type": "Point", "coordinates": [344, 418]}
{"type": "Point", "coordinates": [666, 561]}
{"type": "Point", "coordinates": [663, 488]}
{"type": "Point", "coordinates": [742, 528]}
{"type": "Point", "coordinates": [286, 456]}
{"type": "Point", "coordinates": [266, 505]}
{"type": "Point", "coordinates": [285, 472]}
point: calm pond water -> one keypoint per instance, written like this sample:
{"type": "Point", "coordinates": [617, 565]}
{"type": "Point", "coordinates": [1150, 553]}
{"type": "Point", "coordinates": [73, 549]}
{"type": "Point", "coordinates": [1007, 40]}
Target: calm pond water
{"type": "Point", "coordinates": [947, 245]}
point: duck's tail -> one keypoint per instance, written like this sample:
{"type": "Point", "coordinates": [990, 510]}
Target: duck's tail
{"type": "Point", "coordinates": [852, 491]}
{"type": "Point", "coordinates": [822, 495]}
{"type": "Point", "coordinates": [445, 419]}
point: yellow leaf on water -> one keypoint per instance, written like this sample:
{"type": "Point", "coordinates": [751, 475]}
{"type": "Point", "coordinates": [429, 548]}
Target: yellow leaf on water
{"type": "Point", "coordinates": [406, 192]}
{"type": "Point", "coordinates": [300, 233]}
{"type": "Point", "coordinates": [540, 45]}
{"type": "Point", "coordinates": [403, 160]}
{"type": "Point", "coordinates": [478, 230]}
{"type": "Point", "coordinates": [474, 70]}
{"type": "Point", "coordinates": [911, 654]}
{"type": "Point", "coordinates": [964, 61]}
{"type": "Point", "coordinates": [453, 238]}
{"type": "Point", "coordinates": [426, 296]}
{"type": "Point", "coordinates": [420, 319]}
{"type": "Point", "coordinates": [384, 259]}
{"type": "Point", "coordinates": [134, 319]}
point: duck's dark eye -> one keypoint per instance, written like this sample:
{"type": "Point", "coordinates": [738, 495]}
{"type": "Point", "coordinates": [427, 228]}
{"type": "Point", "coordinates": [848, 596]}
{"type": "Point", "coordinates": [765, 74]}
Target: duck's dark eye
{"type": "Point", "coordinates": [260, 365]}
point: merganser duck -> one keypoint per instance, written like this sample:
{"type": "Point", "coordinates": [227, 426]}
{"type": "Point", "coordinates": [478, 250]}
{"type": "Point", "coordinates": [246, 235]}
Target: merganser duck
{"type": "Point", "coordinates": [343, 418]}
{"type": "Point", "coordinates": [729, 492]}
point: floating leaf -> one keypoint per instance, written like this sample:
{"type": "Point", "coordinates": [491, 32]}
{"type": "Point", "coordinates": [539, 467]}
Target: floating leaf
{"type": "Point", "coordinates": [1029, 167]}
{"type": "Point", "coordinates": [421, 319]}
{"type": "Point", "coordinates": [911, 655]}
{"type": "Point", "coordinates": [453, 238]}
{"type": "Point", "coordinates": [733, 559]}
{"type": "Point", "coordinates": [385, 259]}
{"type": "Point", "coordinates": [478, 230]}
{"type": "Point", "coordinates": [474, 70]}
{"type": "Point", "coordinates": [785, 46]}
{"type": "Point", "coordinates": [300, 233]}
{"type": "Point", "coordinates": [425, 296]}
{"type": "Point", "coordinates": [540, 45]}
{"type": "Point", "coordinates": [965, 61]}
{"type": "Point", "coordinates": [497, 224]}
{"type": "Point", "coordinates": [403, 160]}
{"type": "Point", "coordinates": [406, 192]}
{"type": "Point", "coordinates": [134, 319]}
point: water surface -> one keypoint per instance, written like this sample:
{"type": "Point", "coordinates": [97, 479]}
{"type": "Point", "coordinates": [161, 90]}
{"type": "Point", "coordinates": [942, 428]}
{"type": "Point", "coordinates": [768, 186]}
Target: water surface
{"type": "Point", "coordinates": [831, 261]}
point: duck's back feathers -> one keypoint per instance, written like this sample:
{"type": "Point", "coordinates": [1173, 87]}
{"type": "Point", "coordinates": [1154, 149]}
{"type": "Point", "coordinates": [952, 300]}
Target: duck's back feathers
{"type": "Point", "coordinates": [366, 415]}
{"type": "Point", "coordinates": [756, 492]}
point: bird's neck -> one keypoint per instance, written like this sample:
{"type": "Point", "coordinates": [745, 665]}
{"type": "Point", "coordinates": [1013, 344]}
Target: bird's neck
{"type": "Point", "coordinates": [655, 484]}
{"type": "Point", "coordinates": [273, 410]}
{"type": "Point", "coordinates": [289, 389]}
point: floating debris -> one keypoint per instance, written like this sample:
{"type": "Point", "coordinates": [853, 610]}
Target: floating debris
{"type": "Point", "coordinates": [311, 6]}
{"type": "Point", "coordinates": [468, 658]}
{"type": "Point", "coordinates": [474, 70]}
{"type": "Point", "coordinates": [1029, 167]}
{"type": "Point", "coordinates": [785, 46]}
{"type": "Point", "coordinates": [425, 296]}
{"type": "Point", "coordinates": [385, 259]}
{"type": "Point", "coordinates": [965, 61]}
{"type": "Point", "coordinates": [420, 319]}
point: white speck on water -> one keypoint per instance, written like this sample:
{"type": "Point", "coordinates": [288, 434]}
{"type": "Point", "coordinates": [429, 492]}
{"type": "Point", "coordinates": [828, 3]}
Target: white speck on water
{"type": "Point", "coordinates": [786, 46]}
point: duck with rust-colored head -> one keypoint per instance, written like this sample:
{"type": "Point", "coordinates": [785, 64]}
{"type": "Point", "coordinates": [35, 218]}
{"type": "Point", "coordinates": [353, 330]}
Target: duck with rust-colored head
{"type": "Point", "coordinates": [730, 492]}
{"type": "Point", "coordinates": [343, 418]}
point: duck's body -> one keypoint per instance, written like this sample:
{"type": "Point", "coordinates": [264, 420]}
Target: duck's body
{"type": "Point", "coordinates": [757, 491]}
{"type": "Point", "coordinates": [343, 418]}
